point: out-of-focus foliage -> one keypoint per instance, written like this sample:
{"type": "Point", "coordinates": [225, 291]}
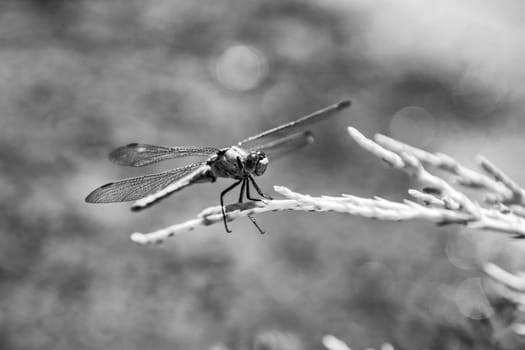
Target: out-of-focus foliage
{"type": "Point", "coordinates": [80, 77]}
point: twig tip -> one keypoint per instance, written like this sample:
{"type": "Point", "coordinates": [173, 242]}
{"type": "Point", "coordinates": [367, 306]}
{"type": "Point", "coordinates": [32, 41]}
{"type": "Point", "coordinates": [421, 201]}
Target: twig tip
{"type": "Point", "coordinates": [139, 238]}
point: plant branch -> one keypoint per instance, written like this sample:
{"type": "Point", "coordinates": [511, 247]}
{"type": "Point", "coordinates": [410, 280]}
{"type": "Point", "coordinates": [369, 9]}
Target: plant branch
{"type": "Point", "coordinates": [437, 201]}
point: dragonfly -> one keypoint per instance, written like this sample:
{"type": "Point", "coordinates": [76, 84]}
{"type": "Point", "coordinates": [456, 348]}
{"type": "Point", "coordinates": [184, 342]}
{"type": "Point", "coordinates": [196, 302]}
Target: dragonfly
{"type": "Point", "coordinates": [237, 162]}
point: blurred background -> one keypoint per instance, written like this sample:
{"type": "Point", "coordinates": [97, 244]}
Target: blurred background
{"type": "Point", "coordinates": [79, 78]}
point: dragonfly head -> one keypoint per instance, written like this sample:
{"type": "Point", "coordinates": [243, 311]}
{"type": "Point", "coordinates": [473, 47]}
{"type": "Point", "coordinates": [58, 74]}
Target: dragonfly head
{"type": "Point", "coordinates": [256, 162]}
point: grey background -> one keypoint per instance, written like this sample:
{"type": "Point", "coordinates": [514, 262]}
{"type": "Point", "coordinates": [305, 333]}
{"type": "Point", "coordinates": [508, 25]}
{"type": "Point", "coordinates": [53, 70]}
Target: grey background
{"type": "Point", "coordinates": [78, 78]}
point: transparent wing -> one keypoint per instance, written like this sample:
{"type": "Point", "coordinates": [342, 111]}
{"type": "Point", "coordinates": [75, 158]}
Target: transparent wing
{"type": "Point", "coordinates": [140, 154]}
{"type": "Point", "coordinates": [285, 145]}
{"type": "Point", "coordinates": [306, 120]}
{"type": "Point", "coordinates": [199, 175]}
{"type": "Point", "coordinates": [138, 187]}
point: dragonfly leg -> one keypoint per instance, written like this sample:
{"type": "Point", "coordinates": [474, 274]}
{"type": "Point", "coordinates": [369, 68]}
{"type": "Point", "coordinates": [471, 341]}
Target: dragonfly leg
{"type": "Point", "coordinates": [258, 189]}
{"type": "Point", "coordinates": [243, 186]}
{"type": "Point", "coordinates": [261, 231]}
{"type": "Point", "coordinates": [248, 193]}
{"type": "Point", "coordinates": [222, 203]}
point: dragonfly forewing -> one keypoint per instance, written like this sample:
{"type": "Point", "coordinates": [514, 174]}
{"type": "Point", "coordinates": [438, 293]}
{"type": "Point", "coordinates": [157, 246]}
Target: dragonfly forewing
{"type": "Point", "coordinates": [135, 188]}
{"type": "Point", "coordinates": [306, 120]}
{"type": "Point", "coordinates": [140, 154]}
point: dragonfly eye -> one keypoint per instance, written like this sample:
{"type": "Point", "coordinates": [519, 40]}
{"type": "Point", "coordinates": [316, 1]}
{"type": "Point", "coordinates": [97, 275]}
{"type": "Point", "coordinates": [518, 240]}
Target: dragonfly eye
{"type": "Point", "coordinates": [250, 162]}
{"type": "Point", "coordinates": [262, 164]}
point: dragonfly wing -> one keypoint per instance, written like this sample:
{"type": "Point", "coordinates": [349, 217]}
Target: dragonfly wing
{"type": "Point", "coordinates": [201, 174]}
{"type": "Point", "coordinates": [306, 120]}
{"type": "Point", "coordinates": [138, 187]}
{"type": "Point", "coordinates": [280, 147]}
{"type": "Point", "coordinates": [140, 154]}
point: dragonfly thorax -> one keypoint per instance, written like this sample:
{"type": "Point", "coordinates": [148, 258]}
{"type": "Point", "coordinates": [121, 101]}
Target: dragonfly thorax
{"type": "Point", "coordinates": [237, 163]}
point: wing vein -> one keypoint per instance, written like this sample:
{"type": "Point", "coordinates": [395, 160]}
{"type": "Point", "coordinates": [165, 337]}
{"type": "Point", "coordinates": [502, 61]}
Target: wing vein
{"type": "Point", "coordinates": [306, 120]}
{"type": "Point", "coordinates": [138, 187]}
{"type": "Point", "coordinates": [140, 154]}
